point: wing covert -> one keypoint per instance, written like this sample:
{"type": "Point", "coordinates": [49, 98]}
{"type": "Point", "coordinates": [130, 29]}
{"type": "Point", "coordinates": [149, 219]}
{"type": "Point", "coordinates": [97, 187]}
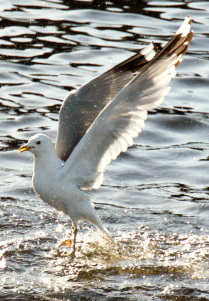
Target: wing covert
{"type": "Point", "coordinates": [81, 107]}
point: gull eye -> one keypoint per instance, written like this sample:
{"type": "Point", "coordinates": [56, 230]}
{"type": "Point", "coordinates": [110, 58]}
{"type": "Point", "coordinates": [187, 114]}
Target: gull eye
{"type": "Point", "coordinates": [38, 142]}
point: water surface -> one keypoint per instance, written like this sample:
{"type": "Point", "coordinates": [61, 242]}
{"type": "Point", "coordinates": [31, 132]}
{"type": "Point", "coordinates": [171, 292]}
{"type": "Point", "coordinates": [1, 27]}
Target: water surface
{"type": "Point", "coordinates": [154, 199]}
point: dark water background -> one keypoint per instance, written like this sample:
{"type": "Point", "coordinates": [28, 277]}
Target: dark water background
{"type": "Point", "coordinates": [154, 199]}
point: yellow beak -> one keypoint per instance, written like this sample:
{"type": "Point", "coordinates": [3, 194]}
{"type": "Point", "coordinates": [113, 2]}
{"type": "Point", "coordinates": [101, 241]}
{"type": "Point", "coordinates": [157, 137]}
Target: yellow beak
{"type": "Point", "coordinates": [23, 148]}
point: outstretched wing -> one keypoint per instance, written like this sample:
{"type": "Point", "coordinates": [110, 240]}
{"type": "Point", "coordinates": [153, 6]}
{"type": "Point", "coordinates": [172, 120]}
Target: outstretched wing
{"type": "Point", "coordinates": [123, 118]}
{"type": "Point", "coordinates": [81, 107]}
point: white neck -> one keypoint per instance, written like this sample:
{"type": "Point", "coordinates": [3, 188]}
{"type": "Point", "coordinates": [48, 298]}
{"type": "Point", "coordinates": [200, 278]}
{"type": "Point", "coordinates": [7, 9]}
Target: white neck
{"type": "Point", "coordinates": [47, 159]}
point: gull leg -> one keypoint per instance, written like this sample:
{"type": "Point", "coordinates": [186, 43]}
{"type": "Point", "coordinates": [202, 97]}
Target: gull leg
{"type": "Point", "coordinates": [68, 241]}
{"type": "Point", "coordinates": [74, 241]}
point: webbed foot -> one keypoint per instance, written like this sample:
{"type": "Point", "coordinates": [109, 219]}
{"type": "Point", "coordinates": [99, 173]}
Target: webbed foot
{"type": "Point", "coordinates": [68, 242]}
{"type": "Point", "coordinates": [65, 242]}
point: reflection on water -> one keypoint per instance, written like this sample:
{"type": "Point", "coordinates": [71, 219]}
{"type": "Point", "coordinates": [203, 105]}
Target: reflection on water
{"type": "Point", "coordinates": [154, 199]}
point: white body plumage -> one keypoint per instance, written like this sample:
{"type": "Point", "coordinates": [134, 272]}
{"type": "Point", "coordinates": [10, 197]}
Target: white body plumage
{"type": "Point", "coordinates": [54, 189]}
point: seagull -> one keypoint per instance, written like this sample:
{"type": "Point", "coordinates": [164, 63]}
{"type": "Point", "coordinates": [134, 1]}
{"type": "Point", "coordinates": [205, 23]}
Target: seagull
{"type": "Point", "coordinates": [96, 123]}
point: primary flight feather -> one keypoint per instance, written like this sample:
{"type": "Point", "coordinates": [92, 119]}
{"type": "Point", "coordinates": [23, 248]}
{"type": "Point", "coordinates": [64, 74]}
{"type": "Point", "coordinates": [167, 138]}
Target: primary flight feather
{"type": "Point", "coordinates": [98, 122]}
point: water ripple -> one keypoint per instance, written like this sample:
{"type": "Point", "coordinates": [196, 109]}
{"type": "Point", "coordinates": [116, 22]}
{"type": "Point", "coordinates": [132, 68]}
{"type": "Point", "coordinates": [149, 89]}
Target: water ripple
{"type": "Point", "coordinates": [154, 199]}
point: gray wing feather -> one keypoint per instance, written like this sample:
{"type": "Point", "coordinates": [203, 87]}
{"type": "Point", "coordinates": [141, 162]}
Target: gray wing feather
{"type": "Point", "coordinates": [123, 118]}
{"type": "Point", "coordinates": [81, 107]}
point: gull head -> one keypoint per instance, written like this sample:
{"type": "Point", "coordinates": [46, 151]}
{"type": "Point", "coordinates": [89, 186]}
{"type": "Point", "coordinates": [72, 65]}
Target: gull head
{"type": "Point", "coordinates": [37, 145]}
